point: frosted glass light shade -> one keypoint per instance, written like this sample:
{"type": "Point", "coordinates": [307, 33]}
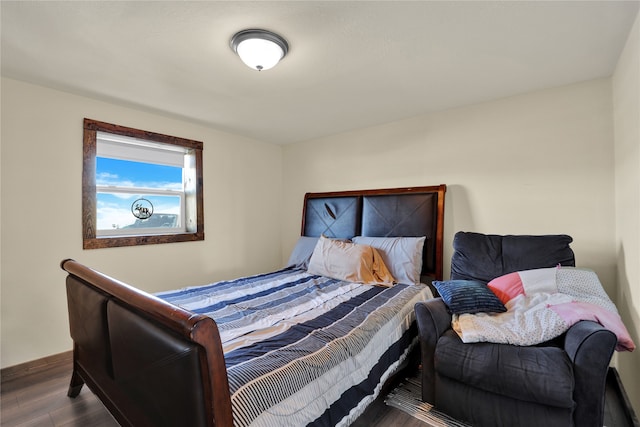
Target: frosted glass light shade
{"type": "Point", "coordinates": [259, 49]}
{"type": "Point", "coordinates": [259, 54]}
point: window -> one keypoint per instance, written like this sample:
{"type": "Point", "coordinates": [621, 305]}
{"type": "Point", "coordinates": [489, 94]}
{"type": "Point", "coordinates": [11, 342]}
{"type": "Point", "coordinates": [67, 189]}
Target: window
{"type": "Point", "coordinates": [139, 187]}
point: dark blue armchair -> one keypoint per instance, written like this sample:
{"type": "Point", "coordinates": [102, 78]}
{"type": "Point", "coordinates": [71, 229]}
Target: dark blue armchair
{"type": "Point", "coordinates": [558, 383]}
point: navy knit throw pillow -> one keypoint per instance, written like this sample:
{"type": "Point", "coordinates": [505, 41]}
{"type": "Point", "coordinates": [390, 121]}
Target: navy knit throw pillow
{"type": "Point", "coordinates": [468, 296]}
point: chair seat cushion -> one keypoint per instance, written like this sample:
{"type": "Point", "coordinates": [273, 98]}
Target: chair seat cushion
{"type": "Point", "coordinates": [536, 374]}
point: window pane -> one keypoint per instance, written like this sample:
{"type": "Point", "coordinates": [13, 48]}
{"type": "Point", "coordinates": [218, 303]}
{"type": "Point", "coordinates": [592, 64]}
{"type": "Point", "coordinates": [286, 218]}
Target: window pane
{"type": "Point", "coordinates": [125, 173]}
{"type": "Point", "coordinates": [119, 210]}
{"type": "Point", "coordinates": [137, 211]}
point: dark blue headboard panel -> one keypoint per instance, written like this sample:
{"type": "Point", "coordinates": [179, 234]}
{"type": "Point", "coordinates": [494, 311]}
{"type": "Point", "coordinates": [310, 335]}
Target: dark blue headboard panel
{"type": "Point", "coordinates": [335, 217]}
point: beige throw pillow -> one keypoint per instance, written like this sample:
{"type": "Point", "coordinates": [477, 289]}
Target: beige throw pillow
{"type": "Point", "coordinates": [349, 261]}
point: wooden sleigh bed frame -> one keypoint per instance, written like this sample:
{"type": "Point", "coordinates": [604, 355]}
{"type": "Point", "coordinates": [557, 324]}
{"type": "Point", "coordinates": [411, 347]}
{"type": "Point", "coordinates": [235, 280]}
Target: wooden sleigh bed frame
{"type": "Point", "coordinates": [152, 363]}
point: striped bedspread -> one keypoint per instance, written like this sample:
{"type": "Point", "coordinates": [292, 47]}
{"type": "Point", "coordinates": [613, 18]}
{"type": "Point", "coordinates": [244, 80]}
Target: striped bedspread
{"type": "Point", "coordinates": [303, 349]}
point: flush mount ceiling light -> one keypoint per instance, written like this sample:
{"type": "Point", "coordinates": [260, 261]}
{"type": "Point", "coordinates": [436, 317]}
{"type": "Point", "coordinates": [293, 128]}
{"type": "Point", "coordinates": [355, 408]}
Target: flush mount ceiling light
{"type": "Point", "coordinates": [259, 49]}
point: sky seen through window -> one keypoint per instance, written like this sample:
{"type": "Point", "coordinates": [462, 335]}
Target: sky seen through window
{"type": "Point", "coordinates": [114, 209]}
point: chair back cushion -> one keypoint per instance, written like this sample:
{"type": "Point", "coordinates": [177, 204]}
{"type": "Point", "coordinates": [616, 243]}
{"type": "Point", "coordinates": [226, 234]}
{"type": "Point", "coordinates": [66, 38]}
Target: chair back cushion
{"type": "Point", "coordinates": [484, 257]}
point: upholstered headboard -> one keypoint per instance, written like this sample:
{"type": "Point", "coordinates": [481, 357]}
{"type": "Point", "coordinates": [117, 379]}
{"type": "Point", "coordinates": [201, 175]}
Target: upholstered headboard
{"type": "Point", "coordinates": [406, 212]}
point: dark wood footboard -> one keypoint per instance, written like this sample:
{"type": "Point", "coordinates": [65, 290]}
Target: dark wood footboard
{"type": "Point", "coordinates": [151, 363]}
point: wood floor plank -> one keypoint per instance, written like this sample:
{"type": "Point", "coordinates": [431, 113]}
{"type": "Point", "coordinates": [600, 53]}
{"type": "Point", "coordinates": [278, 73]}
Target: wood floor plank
{"type": "Point", "coordinates": [87, 412]}
{"type": "Point", "coordinates": [41, 421]}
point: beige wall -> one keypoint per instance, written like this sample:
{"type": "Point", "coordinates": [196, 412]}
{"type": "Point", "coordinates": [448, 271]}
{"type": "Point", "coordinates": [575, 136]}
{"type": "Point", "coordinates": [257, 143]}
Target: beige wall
{"type": "Point", "coordinates": [41, 213]}
{"type": "Point", "coordinates": [537, 163]}
{"type": "Point", "coordinates": [626, 103]}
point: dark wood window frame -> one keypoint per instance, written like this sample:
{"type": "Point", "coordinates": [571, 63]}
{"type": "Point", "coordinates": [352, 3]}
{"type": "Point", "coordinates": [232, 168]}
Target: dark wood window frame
{"type": "Point", "coordinates": [89, 205]}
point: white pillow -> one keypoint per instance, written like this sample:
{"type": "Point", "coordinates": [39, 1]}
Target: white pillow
{"type": "Point", "coordinates": [349, 261]}
{"type": "Point", "coordinates": [401, 255]}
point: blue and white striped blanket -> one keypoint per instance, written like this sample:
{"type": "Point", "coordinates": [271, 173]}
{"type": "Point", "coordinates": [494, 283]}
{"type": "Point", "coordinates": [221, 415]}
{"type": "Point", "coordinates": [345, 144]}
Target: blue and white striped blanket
{"type": "Point", "coordinates": [303, 349]}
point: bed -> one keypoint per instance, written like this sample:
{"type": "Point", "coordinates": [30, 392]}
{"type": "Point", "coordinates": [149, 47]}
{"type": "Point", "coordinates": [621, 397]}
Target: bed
{"type": "Point", "coordinates": [173, 359]}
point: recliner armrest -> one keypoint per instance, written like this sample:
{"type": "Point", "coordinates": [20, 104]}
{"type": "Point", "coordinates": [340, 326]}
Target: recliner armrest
{"type": "Point", "coordinates": [433, 320]}
{"type": "Point", "coordinates": [589, 346]}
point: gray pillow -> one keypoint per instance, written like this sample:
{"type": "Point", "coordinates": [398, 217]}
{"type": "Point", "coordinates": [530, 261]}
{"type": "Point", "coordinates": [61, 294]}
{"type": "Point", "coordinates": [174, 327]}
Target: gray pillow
{"type": "Point", "coordinates": [302, 251]}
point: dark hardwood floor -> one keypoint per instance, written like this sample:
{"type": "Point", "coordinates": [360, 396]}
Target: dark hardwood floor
{"type": "Point", "coordinates": [35, 394]}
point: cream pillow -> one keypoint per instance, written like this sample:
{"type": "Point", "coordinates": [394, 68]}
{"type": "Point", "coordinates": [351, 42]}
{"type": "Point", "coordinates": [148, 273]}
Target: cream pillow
{"type": "Point", "coordinates": [349, 261]}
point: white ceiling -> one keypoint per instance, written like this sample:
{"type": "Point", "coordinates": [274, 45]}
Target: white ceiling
{"type": "Point", "coordinates": [351, 64]}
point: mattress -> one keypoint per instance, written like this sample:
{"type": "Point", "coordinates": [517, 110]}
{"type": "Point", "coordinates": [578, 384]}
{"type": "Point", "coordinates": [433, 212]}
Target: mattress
{"type": "Point", "coordinates": [302, 349]}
